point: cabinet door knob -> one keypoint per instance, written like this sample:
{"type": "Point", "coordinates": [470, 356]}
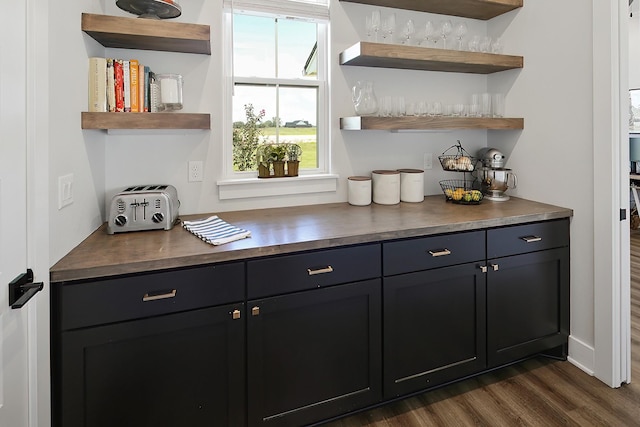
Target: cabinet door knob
{"type": "Point", "coordinates": [255, 311]}
{"type": "Point", "coordinates": [440, 252]}
{"type": "Point", "coordinates": [483, 268]}
{"type": "Point", "coordinates": [235, 314]}
{"type": "Point", "coordinates": [495, 267]}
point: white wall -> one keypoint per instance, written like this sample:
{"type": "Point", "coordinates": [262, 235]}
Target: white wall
{"type": "Point", "coordinates": [551, 156]}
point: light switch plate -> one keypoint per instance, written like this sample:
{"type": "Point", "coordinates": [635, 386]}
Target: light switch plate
{"type": "Point", "coordinates": [65, 190]}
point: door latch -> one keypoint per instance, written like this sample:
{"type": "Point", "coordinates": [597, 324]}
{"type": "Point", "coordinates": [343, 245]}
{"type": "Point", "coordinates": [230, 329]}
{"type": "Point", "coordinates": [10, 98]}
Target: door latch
{"type": "Point", "coordinates": [22, 289]}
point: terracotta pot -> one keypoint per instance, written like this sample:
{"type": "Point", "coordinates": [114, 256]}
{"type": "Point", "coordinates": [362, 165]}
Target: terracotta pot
{"type": "Point", "coordinates": [292, 167]}
{"type": "Point", "coordinates": [278, 168]}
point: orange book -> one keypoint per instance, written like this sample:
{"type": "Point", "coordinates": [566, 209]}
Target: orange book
{"type": "Point", "coordinates": [135, 87]}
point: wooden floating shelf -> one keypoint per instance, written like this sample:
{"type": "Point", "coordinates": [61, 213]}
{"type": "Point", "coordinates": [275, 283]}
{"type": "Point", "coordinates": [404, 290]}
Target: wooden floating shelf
{"type": "Point", "coordinates": [368, 54]}
{"type": "Point", "coordinates": [146, 121]}
{"type": "Point", "coordinates": [476, 9]}
{"type": "Point", "coordinates": [147, 34]}
{"type": "Point", "coordinates": [429, 123]}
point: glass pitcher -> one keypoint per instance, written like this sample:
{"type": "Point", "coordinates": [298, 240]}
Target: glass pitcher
{"type": "Point", "coordinates": [364, 99]}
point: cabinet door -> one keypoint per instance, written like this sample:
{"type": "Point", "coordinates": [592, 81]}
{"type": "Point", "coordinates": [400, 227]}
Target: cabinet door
{"type": "Point", "coordinates": [434, 323]}
{"type": "Point", "coordinates": [184, 369]}
{"type": "Point", "coordinates": [313, 355]}
{"type": "Point", "coordinates": [527, 305]}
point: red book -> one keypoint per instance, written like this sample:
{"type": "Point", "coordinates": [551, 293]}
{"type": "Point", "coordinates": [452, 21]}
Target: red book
{"type": "Point", "coordinates": [119, 84]}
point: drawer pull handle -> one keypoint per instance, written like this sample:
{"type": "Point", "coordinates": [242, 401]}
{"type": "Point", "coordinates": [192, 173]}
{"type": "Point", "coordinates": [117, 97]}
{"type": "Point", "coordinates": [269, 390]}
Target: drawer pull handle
{"type": "Point", "coordinates": [531, 239]}
{"type": "Point", "coordinates": [154, 297]}
{"type": "Point", "coordinates": [327, 269]}
{"type": "Point", "coordinates": [440, 252]}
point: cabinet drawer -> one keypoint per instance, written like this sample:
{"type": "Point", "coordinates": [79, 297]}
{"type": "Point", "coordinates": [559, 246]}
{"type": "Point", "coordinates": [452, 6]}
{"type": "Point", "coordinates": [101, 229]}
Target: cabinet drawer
{"type": "Point", "coordinates": [431, 252]}
{"type": "Point", "coordinates": [525, 238]}
{"type": "Point", "coordinates": [298, 272]}
{"type": "Point", "coordinates": [131, 297]}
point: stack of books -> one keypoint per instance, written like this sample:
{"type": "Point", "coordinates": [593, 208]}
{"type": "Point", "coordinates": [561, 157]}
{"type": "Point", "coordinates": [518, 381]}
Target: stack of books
{"type": "Point", "coordinates": [121, 85]}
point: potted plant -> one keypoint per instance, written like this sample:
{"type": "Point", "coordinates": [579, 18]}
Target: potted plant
{"type": "Point", "coordinates": [278, 155]}
{"type": "Point", "coordinates": [263, 159]}
{"type": "Point", "coordinates": [293, 158]}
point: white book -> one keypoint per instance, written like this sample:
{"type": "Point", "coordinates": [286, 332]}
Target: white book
{"type": "Point", "coordinates": [126, 70]}
{"type": "Point", "coordinates": [111, 89]}
{"type": "Point", "coordinates": [97, 85]}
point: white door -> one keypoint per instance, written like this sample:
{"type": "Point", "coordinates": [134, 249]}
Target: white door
{"type": "Point", "coordinates": [15, 324]}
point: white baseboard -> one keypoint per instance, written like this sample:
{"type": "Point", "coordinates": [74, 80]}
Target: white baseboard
{"type": "Point", "coordinates": [581, 355]}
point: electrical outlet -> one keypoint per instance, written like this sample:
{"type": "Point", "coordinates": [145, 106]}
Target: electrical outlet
{"type": "Point", "coordinates": [428, 161]}
{"type": "Point", "coordinates": [195, 171]}
{"type": "Point", "coordinates": [65, 190]}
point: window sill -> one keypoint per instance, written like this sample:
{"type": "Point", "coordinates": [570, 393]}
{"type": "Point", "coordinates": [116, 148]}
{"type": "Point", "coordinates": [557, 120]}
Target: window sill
{"type": "Point", "coordinates": [264, 187]}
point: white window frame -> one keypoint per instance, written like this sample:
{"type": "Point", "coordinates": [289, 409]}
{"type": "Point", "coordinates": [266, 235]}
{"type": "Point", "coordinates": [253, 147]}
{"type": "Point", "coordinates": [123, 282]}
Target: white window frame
{"type": "Point", "coordinates": [236, 185]}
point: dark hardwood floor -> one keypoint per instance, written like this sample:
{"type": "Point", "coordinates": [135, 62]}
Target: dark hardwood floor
{"type": "Point", "coordinates": [536, 392]}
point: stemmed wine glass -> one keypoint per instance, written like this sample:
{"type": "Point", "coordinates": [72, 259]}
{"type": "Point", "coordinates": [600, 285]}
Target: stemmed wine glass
{"type": "Point", "coordinates": [375, 24]}
{"type": "Point", "coordinates": [445, 29]}
{"type": "Point", "coordinates": [407, 32]}
{"type": "Point", "coordinates": [460, 31]}
{"type": "Point", "coordinates": [388, 27]}
{"type": "Point", "coordinates": [430, 33]}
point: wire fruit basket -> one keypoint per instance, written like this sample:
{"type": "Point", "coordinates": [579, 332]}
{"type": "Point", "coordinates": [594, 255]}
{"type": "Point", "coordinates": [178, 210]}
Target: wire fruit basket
{"type": "Point", "coordinates": [461, 161]}
{"type": "Point", "coordinates": [462, 191]}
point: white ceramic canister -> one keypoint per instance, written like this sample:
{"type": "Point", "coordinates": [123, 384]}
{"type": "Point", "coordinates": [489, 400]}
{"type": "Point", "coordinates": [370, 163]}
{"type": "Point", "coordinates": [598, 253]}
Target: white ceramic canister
{"type": "Point", "coordinates": [359, 188]}
{"type": "Point", "coordinates": [411, 185]}
{"type": "Point", "coordinates": [386, 187]}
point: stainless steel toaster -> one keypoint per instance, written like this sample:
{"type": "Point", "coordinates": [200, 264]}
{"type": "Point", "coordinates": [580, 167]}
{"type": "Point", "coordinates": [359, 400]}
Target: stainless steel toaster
{"type": "Point", "coordinates": [143, 207]}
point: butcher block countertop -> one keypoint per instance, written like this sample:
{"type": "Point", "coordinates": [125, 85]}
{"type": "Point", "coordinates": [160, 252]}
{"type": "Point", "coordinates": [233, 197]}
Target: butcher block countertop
{"type": "Point", "coordinates": [292, 229]}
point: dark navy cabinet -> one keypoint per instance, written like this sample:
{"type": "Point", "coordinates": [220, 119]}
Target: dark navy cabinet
{"type": "Point", "coordinates": [296, 339]}
{"type": "Point", "coordinates": [143, 351]}
{"type": "Point", "coordinates": [527, 292]}
{"type": "Point", "coordinates": [315, 353]}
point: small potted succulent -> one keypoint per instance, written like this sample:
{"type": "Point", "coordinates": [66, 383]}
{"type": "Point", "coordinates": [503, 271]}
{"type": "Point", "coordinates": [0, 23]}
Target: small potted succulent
{"type": "Point", "coordinates": [293, 158]}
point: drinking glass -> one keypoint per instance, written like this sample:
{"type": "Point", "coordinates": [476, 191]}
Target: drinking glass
{"type": "Point", "coordinates": [485, 44]}
{"type": "Point", "coordinates": [388, 28]}
{"type": "Point", "coordinates": [497, 105]}
{"type": "Point", "coordinates": [407, 32]}
{"type": "Point", "coordinates": [496, 46]}
{"type": "Point", "coordinates": [485, 105]}
{"type": "Point", "coordinates": [460, 32]}
{"type": "Point", "coordinates": [474, 43]}
{"type": "Point", "coordinates": [430, 33]}
{"type": "Point", "coordinates": [375, 24]}
{"type": "Point", "coordinates": [445, 29]}
{"type": "Point", "coordinates": [435, 108]}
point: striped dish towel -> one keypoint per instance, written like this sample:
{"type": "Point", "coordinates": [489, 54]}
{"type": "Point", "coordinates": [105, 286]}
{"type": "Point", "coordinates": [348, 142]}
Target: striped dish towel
{"type": "Point", "coordinates": [215, 231]}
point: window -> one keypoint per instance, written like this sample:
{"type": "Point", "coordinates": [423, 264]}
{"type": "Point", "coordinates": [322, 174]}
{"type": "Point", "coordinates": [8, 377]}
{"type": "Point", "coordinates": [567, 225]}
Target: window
{"type": "Point", "coordinates": [277, 78]}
